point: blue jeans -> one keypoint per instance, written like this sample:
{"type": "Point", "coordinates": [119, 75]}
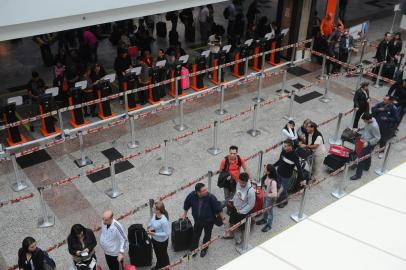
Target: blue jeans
{"type": "Point", "coordinates": [366, 163]}
{"type": "Point", "coordinates": [268, 215]}
{"type": "Point", "coordinates": [285, 184]}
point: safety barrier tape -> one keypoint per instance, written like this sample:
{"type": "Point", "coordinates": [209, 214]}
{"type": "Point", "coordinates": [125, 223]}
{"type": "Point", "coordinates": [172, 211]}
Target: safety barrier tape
{"type": "Point", "coordinates": [144, 88]}
{"type": "Point", "coordinates": [16, 200]}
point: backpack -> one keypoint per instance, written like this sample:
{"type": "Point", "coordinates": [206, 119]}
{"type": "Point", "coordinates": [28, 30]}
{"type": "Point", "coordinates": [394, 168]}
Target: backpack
{"type": "Point", "coordinates": [226, 13]}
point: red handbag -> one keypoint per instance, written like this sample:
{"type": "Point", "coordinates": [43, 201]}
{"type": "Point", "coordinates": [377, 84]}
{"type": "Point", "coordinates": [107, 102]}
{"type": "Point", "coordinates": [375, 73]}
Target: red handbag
{"type": "Point", "coordinates": [339, 150]}
{"type": "Point", "coordinates": [359, 146]}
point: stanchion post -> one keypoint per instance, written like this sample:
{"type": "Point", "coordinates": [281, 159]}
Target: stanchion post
{"type": "Point", "coordinates": [221, 111]}
{"type": "Point", "coordinates": [311, 50]}
{"type": "Point", "coordinates": [299, 216]}
{"type": "Point", "coordinates": [61, 125]}
{"type": "Point", "coordinates": [215, 150]}
{"type": "Point", "coordinates": [293, 56]}
{"type": "Point", "coordinates": [220, 79]}
{"type": "Point", "coordinates": [166, 170]}
{"type": "Point", "coordinates": [260, 161]}
{"type": "Point", "coordinates": [151, 207]}
{"type": "Point", "coordinates": [359, 78]}
{"type": "Point", "coordinates": [290, 113]}
{"type": "Point", "coordinates": [383, 169]}
{"type": "Point", "coordinates": [254, 131]}
{"type": "Point", "coordinates": [246, 68]}
{"type": "Point", "coordinates": [336, 140]}
{"type": "Point", "coordinates": [393, 21]}
{"type": "Point", "coordinates": [258, 98]}
{"type": "Point", "coordinates": [284, 77]}
{"type": "Point", "coordinates": [189, 262]}
{"type": "Point", "coordinates": [322, 76]}
{"type": "Point", "coordinates": [133, 143]}
{"type": "Point", "coordinates": [46, 220]}
{"type": "Point", "coordinates": [209, 180]}
{"type": "Point", "coordinates": [340, 190]}
{"type": "Point", "coordinates": [181, 126]}
{"type": "Point", "coordinates": [126, 102]}
{"type": "Point", "coordinates": [83, 160]}
{"type": "Point", "coordinates": [325, 98]}
{"type": "Point", "coordinates": [19, 183]}
{"type": "Point", "coordinates": [364, 44]}
{"type": "Point", "coordinates": [245, 244]}
{"type": "Point", "coordinates": [349, 57]}
{"type": "Point", "coordinates": [113, 192]}
{"type": "Point", "coordinates": [378, 78]}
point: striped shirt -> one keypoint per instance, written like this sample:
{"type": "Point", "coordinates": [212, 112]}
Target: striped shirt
{"type": "Point", "coordinates": [113, 239]}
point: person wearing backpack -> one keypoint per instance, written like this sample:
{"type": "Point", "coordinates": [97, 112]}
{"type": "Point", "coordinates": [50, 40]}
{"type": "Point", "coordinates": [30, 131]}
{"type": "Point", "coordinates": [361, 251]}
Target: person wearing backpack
{"type": "Point", "coordinates": [232, 165]}
{"type": "Point", "coordinates": [31, 257]}
{"type": "Point", "coordinates": [271, 191]}
{"type": "Point", "coordinates": [158, 229]}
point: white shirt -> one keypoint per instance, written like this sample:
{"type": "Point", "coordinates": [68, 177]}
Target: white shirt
{"type": "Point", "coordinates": [203, 14]}
{"type": "Point", "coordinates": [321, 150]}
{"type": "Point", "coordinates": [289, 134]}
{"type": "Point", "coordinates": [114, 239]}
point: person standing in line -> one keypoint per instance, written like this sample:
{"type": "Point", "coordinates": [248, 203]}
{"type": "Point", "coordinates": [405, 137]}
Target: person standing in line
{"type": "Point", "coordinates": [386, 114]}
{"type": "Point", "coordinates": [205, 208]}
{"type": "Point", "coordinates": [361, 102]}
{"type": "Point", "coordinates": [113, 240]}
{"type": "Point", "coordinates": [232, 164]}
{"type": "Point", "coordinates": [370, 136]}
{"type": "Point", "coordinates": [345, 46]}
{"type": "Point", "coordinates": [81, 245]}
{"type": "Point", "coordinates": [315, 142]}
{"type": "Point", "coordinates": [288, 160]}
{"type": "Point", "coordinates": [398, 93]}
{"type": "Point", "coordinates": [240, 207]}
{"type": "Point", "coordinates": [270, 194]}
{"type": "Point", "coordinates": [289, 132]}
{"type": "Point", "coordinates": [204, 23]}
{"type": "Point", "coordinates": [382, 51]}
{"type": "Point", "coordinates": [91, 43]}
{"type": "Point", "coordinates": [302, 131]}
{"type": "Point", "coordinates": [121, 64]}
{"type": "Point", "coordinates": [158, 229]}
{"type": "Point", "coordinates": [30, 257]}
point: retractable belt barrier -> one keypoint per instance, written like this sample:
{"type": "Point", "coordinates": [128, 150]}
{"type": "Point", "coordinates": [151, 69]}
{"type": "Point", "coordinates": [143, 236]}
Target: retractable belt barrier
{"type": "Point", "coordinates": [181, 188]}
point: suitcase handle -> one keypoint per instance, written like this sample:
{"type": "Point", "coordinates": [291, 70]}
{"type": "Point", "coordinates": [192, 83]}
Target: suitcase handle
{"type": "Point", "coordinates": [180, 222]}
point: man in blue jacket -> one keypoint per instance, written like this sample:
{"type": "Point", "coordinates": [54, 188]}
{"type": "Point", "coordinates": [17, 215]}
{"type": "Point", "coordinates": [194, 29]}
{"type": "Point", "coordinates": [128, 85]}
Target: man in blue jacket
{"type": "Point", "coordinates": [387, 116]}
{"type": "Point", "coordinates": [205, 207]}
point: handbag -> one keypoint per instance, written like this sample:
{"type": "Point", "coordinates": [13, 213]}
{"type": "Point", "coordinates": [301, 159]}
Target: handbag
{"type": "Point", "coordinates": [49, 263]}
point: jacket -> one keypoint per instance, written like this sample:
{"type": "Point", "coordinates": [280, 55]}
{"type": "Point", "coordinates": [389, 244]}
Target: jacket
{"type": "Point", "coordinates": [361, 100]}
{"type": "Point", "coordinates": [388, 118]}
{"type": "Point", "coordinates": [382, 53]}
{"type": "Point", "coordinates": [37, 260]}
{"type": "Point", "coordinates": [371, 133]}
{"type": "Point", "coordinates": [286, 163]}
{"type": "Point", "coordinates": [398, 93]}
{"type": "Point", "coordinates": [244, 199]}
{"type": "Point", "coordinates": [89, 242]}
{"type": "Point", "coordinates": [113, 240]}
{"type": "Point", "coordinates": [203, 209]}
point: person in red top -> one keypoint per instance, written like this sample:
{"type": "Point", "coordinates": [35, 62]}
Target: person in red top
{"type": "Point", "coordinates": [232, 163]}
{"type": "Point", "coordinates": [327, 25]}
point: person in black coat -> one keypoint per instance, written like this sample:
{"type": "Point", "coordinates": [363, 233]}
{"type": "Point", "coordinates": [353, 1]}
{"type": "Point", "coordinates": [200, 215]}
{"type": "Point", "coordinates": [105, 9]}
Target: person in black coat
{"type": "Point", "coordinates": [361, 102]}
{"type": "Point", "coordinates": [395, 47]}
{"type": "Point", "coordinates": [398, 93]}
{"type": "Point", "coordinates": [30, 255]}
{"type": "Point", "coordinates": [346, 44]}
{"type": "Point", "coordinates": [382, 52]}
{"type": "Point", "coordinates": [81, 245]}
{"type": "Point", "coordinates": [121, 64]}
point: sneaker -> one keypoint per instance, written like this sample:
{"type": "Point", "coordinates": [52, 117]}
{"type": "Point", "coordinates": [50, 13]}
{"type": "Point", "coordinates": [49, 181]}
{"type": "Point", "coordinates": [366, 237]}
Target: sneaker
{"type": "Point", "coordinates": [203, 253]}
{"type": "Point", "coordinates": [261, 222]}
{"type": "Point", "coordinates": [266, 228]}
{"type": "Point", "coordinates": [380, 156]}
{"type": "Point", "coordinates": [354, 177]}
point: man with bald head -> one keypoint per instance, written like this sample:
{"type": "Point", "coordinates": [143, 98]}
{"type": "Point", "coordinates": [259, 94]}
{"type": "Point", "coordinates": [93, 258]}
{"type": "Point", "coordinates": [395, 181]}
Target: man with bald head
{"type": "Point", "coordinates": [113, 240]}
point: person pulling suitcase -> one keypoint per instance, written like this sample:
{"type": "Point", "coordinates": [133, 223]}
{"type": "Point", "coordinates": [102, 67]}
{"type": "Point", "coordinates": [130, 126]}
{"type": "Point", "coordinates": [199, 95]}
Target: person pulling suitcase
{"type": "Point", "coordinates": [205, 210]}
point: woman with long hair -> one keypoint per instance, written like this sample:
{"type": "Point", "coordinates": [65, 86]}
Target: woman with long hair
{"type": "Point", "coordinates": [158, 229]}
{"type": "Point", "coordinates": [270, 187]}
{"type": "Point", "coordinates": [30, 257]}
{"type": "Point", "coordinates": [81, 245]}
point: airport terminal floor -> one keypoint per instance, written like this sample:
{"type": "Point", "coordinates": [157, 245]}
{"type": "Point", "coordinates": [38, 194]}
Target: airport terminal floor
{"type": "Point", "coordinates": [130, 151]}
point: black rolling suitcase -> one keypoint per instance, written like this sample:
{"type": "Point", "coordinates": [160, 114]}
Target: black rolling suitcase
{"type": "Point", "coordinates": [161, 29]}
{"type": "Point", "coordinates": [140, 248]}
{"type": "Point", "coordinates": [182, 233]}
